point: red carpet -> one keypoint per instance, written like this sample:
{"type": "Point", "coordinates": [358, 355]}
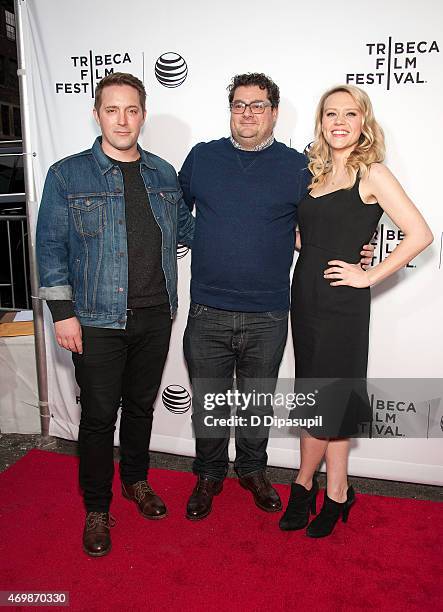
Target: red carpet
{"type": "Point", "coordinates": [387, 557]}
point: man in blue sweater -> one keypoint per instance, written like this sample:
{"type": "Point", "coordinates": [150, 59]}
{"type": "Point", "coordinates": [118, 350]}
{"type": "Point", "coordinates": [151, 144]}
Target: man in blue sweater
{"type": "Point", "coordinates": [246, 189]}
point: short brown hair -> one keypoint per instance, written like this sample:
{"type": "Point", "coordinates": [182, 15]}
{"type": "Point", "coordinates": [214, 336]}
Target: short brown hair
{"type": "Point", "coordinates": [120, 78]}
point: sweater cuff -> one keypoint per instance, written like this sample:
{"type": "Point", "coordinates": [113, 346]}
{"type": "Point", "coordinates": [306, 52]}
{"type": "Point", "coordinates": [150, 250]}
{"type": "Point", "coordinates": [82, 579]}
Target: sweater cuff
{"type": "Point", "coordinates": [61, 309]}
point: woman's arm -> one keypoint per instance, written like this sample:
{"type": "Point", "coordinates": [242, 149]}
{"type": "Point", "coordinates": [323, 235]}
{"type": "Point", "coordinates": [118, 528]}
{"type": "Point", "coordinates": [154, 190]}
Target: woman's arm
{"type": "Point", "coordinates": [382, 185]}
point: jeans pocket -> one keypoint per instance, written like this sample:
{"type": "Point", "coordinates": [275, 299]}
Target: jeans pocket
{"type": "Point", "coordinates": [195, 310]}
{"type": "Point", "coordinates": [278, 315]}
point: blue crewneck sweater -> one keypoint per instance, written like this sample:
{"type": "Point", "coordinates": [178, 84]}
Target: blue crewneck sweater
{"type": "Point", "coordinates": [246, 214]}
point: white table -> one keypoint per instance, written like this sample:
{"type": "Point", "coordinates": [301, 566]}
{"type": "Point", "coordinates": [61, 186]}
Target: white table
{"type": "Point", "coordinates": [19, 412]}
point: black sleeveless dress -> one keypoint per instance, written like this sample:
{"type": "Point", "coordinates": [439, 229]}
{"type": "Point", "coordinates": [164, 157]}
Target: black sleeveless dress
{"type": "Point", "coordinates": [330, 325]}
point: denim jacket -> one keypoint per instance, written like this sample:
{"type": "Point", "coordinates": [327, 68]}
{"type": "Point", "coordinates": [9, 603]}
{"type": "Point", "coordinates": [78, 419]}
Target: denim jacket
{"type": "Point", "coordinates": [81, 233]}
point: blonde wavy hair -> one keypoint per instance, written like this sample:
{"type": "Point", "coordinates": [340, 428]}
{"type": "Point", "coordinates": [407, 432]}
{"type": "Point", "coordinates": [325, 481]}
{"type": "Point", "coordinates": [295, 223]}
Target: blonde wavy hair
{"type": "Point", "coordinates": [369, 149]}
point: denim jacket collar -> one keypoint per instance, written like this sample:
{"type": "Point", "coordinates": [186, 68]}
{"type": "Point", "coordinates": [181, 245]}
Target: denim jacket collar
{"type": "Point", "coordinates": [105, 164]}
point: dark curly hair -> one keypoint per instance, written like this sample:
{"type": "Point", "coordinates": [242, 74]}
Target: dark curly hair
{"type": "Point", "coordinates": [255, 78]}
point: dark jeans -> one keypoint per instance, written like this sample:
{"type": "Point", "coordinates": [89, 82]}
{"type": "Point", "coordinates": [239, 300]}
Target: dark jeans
{"type": "Point", "coordinates": [218, 343]}
{"type": "Point", "coordinates": [116, 365]}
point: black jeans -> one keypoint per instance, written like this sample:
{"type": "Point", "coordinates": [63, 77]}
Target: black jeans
{"type": "Point", "coordinates": [119, 366]}
{"type": "Point", "coordinates": [218, 343]}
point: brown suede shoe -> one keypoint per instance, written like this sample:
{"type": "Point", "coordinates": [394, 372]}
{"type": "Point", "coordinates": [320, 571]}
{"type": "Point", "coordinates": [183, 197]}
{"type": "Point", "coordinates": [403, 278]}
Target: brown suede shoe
{"type": "Point", "coordinates": [149, 504]}
{"type": "Point", "coordinates": [265, 496]}
{"type": "Point", "coordinates": [96, 536]}
{"type": "Point", "coordinates": [200, 502]}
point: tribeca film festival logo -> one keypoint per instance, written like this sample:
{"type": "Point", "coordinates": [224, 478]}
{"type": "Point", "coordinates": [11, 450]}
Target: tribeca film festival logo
{"type": "Point", "coordinates": [171, 69]}
{"type": "Point", "coordinates": [176, 399]}
{"type": "Point", "coordinates": [402, 418]}
{"type": "Point", "coordinates": [90, 69]}
{"type": "Point", "coordinates": [385, 240]}
{"type": "Point", "coordinates": [387, 413]}
{"type": "Point", "coordinates": [395, 63]}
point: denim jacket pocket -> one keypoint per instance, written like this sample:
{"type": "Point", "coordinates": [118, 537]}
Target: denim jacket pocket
{"type": "Point", "coordinates": [171, 197]}
{"type": "Point", "coordinates": [89, 214]}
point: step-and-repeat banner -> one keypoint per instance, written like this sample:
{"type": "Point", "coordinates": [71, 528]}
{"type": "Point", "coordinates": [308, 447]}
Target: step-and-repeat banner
{"type": "Point", "coordinates": [392, 51]}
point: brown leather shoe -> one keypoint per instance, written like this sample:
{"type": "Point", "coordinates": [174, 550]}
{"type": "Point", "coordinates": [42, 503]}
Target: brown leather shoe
{"type": "Point", "coordinates": [200, 502]}
{"type": "Point", "coordinates": [265, 496]}
{"type": "Point", "coordinates": [96, 536]}
{"type": "Point", "coordinates": [149, 504]}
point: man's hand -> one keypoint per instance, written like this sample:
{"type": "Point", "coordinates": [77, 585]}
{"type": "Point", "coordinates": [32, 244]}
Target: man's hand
{"type": "Point", "coordinates": [68, 334]}
{"type": "Point", "coordinates": [367, 253]}
{"type": "Point", "coordinates": [297, 240]}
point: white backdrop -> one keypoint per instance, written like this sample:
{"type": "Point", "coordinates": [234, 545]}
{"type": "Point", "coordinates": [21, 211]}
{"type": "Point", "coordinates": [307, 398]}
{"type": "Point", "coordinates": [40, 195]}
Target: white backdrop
{"type": "Point", "coordinates": [391, 50]}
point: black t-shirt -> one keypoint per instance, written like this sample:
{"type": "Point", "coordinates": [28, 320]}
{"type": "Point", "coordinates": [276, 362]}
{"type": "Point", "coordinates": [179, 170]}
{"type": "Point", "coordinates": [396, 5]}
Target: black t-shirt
{"type": "Point", "coordinates": [146, 279]}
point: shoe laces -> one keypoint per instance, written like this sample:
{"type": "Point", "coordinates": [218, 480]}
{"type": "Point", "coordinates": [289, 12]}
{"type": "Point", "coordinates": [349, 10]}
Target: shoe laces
{"type": "Point", "coordinates": [261, 481]}
{"type": "Point", "coordinates": [94, 519]}
{"type": "Point", "coordinates": [204, 485]}
{"type": "Point", "coordinates": [141, 488]}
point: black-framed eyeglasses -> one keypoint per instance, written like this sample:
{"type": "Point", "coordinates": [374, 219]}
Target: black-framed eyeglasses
{"type": "Point", "coordinates": [257, 107]}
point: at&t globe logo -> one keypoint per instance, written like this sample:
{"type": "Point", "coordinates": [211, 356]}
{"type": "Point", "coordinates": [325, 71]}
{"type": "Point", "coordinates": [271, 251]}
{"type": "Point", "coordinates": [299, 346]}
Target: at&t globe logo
{"type": "Point", "coordinates": [171, 69]}
{"type": "Point", "coordinates": [182, 251]}
{"type": "Point", "coordinates": [176, 399]}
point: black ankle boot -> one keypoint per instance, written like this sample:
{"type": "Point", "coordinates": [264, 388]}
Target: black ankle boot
{"type": "Point", "coordinates": [301, 503]}
{"type": "Point", "coordinates": [324, 523]}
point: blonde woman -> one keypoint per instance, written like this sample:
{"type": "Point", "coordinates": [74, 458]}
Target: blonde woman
{"type": "Point", "coordinates": [349, 191]}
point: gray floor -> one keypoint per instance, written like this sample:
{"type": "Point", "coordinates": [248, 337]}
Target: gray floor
{"type": "Point", "coordinates": [15, 446]}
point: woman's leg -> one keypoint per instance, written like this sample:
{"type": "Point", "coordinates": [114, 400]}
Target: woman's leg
{"type": "Point", "coordinates": [337, 454]}
{"type": "Point", "coordinates": [312, 451]}
{"type": "Point", "coordinates": [302, 500]}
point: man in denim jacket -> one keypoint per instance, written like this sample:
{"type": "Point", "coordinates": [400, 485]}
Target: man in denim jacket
{"type": "Point", "coordinates": [109, 223]}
